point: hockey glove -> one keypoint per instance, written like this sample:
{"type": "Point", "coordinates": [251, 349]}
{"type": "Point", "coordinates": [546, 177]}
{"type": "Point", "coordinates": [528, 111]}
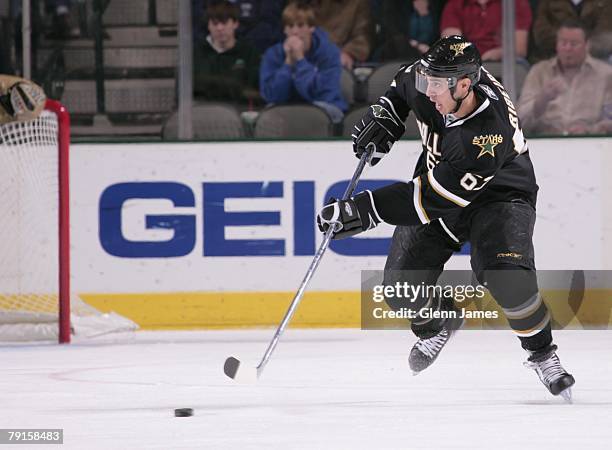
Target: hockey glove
{"type": "Point", "coordinates": [379, 127]}
{"type": "Point", "coordinates": [349, 217]}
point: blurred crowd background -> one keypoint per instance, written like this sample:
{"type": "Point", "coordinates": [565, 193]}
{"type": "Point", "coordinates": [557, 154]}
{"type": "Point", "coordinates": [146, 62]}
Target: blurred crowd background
{"type": "Point", "coordinates": [296, 69]}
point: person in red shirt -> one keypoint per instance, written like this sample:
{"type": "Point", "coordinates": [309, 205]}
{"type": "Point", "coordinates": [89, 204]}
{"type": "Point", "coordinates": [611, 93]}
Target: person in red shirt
{"type": "Point", "coordinates": [480, 21]}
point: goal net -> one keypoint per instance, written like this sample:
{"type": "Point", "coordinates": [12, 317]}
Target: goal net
{"type": "Point", "coordinates": [35, 298]}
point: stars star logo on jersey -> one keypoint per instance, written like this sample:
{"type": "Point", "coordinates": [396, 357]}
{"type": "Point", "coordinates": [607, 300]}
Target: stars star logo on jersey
{"type": "Point", "coordinates": [487, 144]}
{"type": "Point", "coordinates": [458, 48]}
{"type": "Point", "coordinates": [382, 113]}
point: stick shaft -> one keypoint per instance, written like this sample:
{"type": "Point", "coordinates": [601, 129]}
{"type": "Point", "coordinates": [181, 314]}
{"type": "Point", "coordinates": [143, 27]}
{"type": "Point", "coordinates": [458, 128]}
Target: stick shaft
{"type": "Point", "coordinates": [312, 269]}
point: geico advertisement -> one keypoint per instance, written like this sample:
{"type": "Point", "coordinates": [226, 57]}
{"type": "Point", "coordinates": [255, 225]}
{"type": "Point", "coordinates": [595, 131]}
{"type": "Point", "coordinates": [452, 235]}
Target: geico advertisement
{"type": "Point", "coordinates": [241, 216]}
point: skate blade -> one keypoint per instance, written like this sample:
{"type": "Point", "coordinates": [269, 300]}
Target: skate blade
{"type": "Point", "coordinates": [567, 395]}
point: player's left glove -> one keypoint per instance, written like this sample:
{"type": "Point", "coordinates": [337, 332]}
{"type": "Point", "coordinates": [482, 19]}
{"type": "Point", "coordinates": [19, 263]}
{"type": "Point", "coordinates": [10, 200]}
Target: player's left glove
{"type": "Point", "coordinates": [380, 127]}
{"type": "Point", "coordinates": [349, 217]}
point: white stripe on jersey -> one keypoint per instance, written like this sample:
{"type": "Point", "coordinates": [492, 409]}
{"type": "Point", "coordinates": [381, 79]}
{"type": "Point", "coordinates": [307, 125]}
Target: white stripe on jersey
{"type": "Point", "coordinates": [480, 109]}
{"type": "Point", "coordinates": [374, 206]}
{"type": "Point", "coordinates": [441, 191]}
{"type": "Point", "coordinates": [416, 198]}
{"type": "Point", "coordinates": [386, 100]}
{"type": "Point", "coordinates": [453, 237]}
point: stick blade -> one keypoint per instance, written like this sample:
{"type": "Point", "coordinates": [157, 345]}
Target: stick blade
{"type": "Point", "coordinates": [230, 368]}
{"type": "Point", "coordinates": [239, 373]}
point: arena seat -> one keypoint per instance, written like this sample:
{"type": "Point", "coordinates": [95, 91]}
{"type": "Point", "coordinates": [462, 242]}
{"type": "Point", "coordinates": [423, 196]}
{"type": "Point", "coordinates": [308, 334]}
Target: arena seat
{"type": "Point", "coordinates": [210, 121]}
{"type": "Point", "coordinates": [293, 121]}
{"type": "Point", "coordinates": [379, 81]}
{"type": "Point", "coordinates": [347, 84]}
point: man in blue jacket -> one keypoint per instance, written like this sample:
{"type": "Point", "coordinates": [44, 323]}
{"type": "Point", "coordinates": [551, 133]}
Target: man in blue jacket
{"type": "Point", "coordinates": [305, 67]}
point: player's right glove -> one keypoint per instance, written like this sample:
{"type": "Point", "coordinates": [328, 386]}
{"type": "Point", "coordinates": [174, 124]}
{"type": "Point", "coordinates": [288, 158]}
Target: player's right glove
{"type": "Point", "coordinates": [349, 217]}
{"type": "Point", "coordinates": [379, 127]}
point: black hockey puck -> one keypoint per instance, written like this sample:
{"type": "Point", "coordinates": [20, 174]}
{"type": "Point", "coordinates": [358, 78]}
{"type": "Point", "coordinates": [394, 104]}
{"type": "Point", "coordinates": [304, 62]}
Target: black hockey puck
{"type": "Point", "coordinates": [183, 412]}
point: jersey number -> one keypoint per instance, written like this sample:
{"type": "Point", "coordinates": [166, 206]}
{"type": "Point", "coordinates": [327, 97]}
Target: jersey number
{"type": "Point", "coordinates": [471, 182]}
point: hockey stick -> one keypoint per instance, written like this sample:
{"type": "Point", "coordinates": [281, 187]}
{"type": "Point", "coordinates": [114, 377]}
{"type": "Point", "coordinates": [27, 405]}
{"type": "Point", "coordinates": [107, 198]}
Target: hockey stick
{"type": "Point", "coordinates": [232, 366]}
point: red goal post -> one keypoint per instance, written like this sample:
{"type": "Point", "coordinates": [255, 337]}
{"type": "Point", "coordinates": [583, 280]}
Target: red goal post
{"type": "Point", "coordinates": [63, 138]}
{"type": "Point", "coordinates": [36, 300]}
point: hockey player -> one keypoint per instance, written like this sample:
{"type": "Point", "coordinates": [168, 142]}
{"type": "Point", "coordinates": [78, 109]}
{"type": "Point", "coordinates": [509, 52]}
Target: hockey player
{"type": "Point", "coordinates": [474, 182]}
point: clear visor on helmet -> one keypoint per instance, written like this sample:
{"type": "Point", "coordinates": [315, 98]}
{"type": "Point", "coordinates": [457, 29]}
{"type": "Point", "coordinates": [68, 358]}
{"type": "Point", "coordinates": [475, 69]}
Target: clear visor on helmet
{"type": "Point", "coordinates": [430, 85]}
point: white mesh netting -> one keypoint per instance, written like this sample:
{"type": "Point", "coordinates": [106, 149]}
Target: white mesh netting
{"type": "Point", "coordinates": [29, 237]}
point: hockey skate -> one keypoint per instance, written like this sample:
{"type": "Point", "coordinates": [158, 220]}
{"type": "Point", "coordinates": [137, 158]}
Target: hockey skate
{"type": "Point", "coordinates": [427, 348]}
{"type": "Point", "coordinates": [548, 367]}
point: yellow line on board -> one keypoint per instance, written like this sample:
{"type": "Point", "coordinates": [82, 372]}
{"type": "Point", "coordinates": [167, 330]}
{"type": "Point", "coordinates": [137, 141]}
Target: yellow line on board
{"type": "Point", "coordinates": [215, 310]}
{"type": "Point", "coordinates": [342, 309]}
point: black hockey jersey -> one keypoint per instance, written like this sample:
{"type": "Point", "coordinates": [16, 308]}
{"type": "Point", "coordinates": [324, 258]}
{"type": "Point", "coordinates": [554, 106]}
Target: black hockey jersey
{"type": "Point", "coordinates": [465, 163]}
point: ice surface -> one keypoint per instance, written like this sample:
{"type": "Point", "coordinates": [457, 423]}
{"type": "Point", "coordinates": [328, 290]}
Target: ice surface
{"type": "Point", "coordinates": [323, 389]}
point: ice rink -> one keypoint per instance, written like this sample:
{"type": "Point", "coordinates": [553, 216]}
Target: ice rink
{"type": "Point", "coordinates": [323, 389]}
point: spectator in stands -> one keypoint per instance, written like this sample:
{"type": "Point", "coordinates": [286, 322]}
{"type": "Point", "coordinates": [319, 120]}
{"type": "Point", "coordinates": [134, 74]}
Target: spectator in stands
{"type": "Point", "coordinates": [305, 67]}
{"type": "Point", "coordinates": [595, 14]}
{"type": "Point", "coordinates": [224, 67]}
{"type": "Point", "coordinates": [422, 27]}
{"type": "Point", "coordinates": [404, 30]}
{"type": "Point", "coordinates": [481, 22]}
{"type": "Point", "coordinates": [570, 93]}
{"type": "Point", "coordinates": [389, 27]}
{"type": "Point", "coordinates": [260, 21]}
{"type": "Point", "coordinates": [348, 25]}
{"type": "Point", "coordinates": [65, 19]}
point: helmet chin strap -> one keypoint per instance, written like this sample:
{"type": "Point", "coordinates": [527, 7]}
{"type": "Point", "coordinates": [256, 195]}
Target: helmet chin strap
{"type": "Point", "coordinates": [458, 102]}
